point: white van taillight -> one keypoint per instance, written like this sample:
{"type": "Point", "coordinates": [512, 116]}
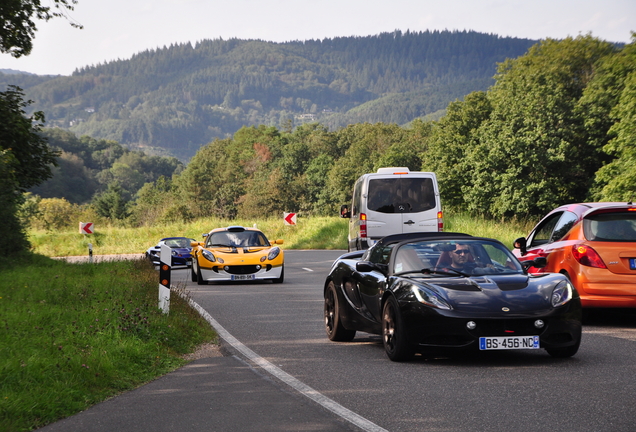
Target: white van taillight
{"type": "Point", "coordinates": [363, 225]}
{"type": "Point", "coordinates": [440, 221]}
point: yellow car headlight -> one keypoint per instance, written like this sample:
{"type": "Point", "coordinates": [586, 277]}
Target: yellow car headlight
{"type": "Point", "coordinates": [273, 253]}
{"type": "Point", "coordinates": [208, 255]}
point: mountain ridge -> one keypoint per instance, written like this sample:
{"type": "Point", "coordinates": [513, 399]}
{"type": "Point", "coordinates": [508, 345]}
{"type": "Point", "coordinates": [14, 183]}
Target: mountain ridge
{"type": "Point", "coordinates": [175, 99]}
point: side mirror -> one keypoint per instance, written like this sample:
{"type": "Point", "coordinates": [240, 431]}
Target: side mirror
{"type": "Point", "coordinates": [538, 262]}
{"type": "Point", "coordinates": [520, 244]}
{"type": "Point", "coordinates": [344, 211]}
{"type": "Point", "coordinates": [195, 244]}
{"type": "Point", "coordinates": [278, 242]}
{"type": "Point", "coordinates": [367, 266]}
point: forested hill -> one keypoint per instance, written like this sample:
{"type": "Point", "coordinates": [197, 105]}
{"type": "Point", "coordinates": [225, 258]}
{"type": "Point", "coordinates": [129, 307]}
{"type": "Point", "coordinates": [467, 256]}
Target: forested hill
{"type": "Point", "coordinates": [175, 99]}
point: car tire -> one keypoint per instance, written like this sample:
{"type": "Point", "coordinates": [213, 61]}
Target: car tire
{"type": "Point", "coordinates": [333, 326]}
{"type": "Point", "coordinates": [393, 333]}
{"type": "Point", "coordinates": [282, 276]}
{"type": "Point", "coordinates": [564, 352]}
{"type": "Point", "coordinates": [200, 280]}
{"type": "Point", "coordinates": [193, 275]}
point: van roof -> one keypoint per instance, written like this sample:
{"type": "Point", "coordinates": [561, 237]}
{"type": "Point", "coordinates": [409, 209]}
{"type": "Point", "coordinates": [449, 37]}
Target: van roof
{"type": "Point", "coordinates": [393, 170]}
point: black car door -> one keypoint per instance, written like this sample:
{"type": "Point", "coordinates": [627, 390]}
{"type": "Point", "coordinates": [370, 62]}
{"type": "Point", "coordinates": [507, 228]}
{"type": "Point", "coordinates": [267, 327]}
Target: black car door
{"type": "Point", "coordinates": [371, 285]}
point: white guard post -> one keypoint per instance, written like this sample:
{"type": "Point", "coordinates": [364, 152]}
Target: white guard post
{"type": "Point", "coordinates": [164, 278]}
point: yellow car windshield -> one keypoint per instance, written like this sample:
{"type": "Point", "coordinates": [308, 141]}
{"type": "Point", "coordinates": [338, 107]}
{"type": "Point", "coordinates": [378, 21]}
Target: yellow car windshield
{"type": "Point", "coordinates": [237, 239]}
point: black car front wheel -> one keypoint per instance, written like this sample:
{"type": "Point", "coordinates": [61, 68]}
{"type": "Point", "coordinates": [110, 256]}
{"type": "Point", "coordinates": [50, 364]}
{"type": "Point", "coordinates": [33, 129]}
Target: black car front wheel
{"type": "Point", "coordinates": [564, 352]}
{"type": "Point", "coordinates": [333, 326]}
{"type": "Point", "coordinates": [393, 332]}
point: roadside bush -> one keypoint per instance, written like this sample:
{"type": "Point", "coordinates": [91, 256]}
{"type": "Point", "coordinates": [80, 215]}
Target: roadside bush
{"type": "Point", "coordinates": [55, 214]}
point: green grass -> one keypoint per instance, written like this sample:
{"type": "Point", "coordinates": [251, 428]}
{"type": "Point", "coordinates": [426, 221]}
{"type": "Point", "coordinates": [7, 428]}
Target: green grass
{"type": "Point", "coordinates": [309, 233]}
{"type": "Point", "coordinates": [75, 334]}
{"type": "Point", "coordinates": [319, 232]}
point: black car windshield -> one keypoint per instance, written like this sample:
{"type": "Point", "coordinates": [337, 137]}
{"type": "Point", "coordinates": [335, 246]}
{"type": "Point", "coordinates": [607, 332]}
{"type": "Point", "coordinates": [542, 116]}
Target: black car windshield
{"type": "Point", "coordinates": [454, 256]}
{"type": "Point", "coordinates": [237, 239]}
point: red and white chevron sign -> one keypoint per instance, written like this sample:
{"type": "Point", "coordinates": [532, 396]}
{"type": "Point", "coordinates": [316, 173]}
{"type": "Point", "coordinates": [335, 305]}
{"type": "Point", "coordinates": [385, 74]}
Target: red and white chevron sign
{"type": "Point", "coordinates": [86, 227]}
{"type": "Point", "coordinates": [290, 218]}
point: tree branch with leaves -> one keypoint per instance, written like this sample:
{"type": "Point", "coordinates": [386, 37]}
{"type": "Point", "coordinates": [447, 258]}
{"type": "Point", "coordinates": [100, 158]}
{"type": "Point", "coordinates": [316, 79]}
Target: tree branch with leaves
{"type": "Point", "coordinates": [17, 25]}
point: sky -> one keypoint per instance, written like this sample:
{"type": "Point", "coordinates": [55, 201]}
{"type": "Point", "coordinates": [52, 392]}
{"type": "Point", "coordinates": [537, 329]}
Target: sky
{"type": "Point", "coordinates": [117, 29]}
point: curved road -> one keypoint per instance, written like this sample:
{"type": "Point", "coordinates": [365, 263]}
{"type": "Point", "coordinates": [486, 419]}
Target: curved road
{"type": "Point", "coordinates": [281, 373]}
{"type": "Point", "coordinates": [522, 391]}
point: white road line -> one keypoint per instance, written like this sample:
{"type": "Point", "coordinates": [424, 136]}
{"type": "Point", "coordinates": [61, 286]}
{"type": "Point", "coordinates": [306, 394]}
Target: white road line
{"type": "Point", "coordinates": [307, 269]}
{"type": "Point", "coordinates": [299, 386]}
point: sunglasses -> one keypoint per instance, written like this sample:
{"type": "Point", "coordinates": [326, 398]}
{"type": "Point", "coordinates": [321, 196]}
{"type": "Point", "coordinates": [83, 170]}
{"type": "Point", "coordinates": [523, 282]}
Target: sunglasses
{"type": "Point", "coordinates": [461, 252]}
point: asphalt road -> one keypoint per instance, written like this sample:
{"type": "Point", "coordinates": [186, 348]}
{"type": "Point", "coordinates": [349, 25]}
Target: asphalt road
{"type": "Point", "coordinates": [280, 372]}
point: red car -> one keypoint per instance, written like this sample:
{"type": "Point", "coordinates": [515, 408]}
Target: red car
{"type": "Point", "coordinates": [593, 244]}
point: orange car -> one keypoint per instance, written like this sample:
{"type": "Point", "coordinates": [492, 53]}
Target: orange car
{"type": "Point", "coordinates": [593, 244]}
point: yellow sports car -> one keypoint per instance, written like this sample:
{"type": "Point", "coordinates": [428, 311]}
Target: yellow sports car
{"type": "Point", "coordinates": [237, 253]}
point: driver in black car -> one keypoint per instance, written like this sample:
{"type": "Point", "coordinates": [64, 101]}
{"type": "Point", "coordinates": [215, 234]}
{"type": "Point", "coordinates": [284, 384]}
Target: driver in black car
{"type": "Point", "coordinates": [463, 261]}
{"type": "Point", "coordinates": [460, 259]}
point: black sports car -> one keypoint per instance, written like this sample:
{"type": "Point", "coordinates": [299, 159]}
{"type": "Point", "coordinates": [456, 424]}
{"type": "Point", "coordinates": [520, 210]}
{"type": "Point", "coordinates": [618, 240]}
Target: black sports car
{"type": "Point", "coordinates": [426, 292]}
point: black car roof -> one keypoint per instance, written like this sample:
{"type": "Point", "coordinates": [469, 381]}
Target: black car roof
{"type": "Point", "coordinates": [397, 238]}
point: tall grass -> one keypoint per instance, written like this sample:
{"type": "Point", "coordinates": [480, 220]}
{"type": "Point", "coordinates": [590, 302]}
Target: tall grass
{"type": "Point", "coordinates": [309, 233]}
{"type": "Point", "coordinates": [318, 232]}
{"type": "Point", "coordinates": [75, 334]}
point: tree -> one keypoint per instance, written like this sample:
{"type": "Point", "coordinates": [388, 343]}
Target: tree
{"type": "Point", "coordinates": [619, 176]}
{"type": "Point", "coordinates": [112, 204]}
{"type": "Point", "coordinates": [610, 105]}
{"type": "Point", "coordinates": [19, 135]}
{"type": "Point", "coordinates": [451, 139]}
{"type": "Point", "coordinates": [364, 143]}
{"type": "Point", "coordinates": [25, 161]}
{"type": "Point", "coordinates": [25, 157]}
{"type": "Point", "coordinates": [56, 214]}
{"type": "Point", "coordinates": [17, 28]}
{"type": "Point", "coordinates": [12, 234]}
{"type": "Point", "coordinates": [533, 152]}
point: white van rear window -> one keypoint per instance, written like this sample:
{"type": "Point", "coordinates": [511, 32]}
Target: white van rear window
{"type": "Point", "coordinates": [401, 195]}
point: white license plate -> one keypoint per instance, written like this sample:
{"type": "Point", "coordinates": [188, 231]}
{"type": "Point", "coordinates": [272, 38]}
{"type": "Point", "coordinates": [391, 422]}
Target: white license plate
{"type": "Point", "coordinates": [509, 342]}
{"type": "Point", "coordinates": [243, 277]}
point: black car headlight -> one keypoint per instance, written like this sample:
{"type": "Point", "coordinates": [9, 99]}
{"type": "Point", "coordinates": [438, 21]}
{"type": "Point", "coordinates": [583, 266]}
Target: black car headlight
{"type": "Point", "coordinates": [561, 294]}
{"type": "Point", "coordinates": [430, 298]}
{"type": "Point", "coordinates": [208, 255]}
{"type": "Point", "coordinates": [273, 253]}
